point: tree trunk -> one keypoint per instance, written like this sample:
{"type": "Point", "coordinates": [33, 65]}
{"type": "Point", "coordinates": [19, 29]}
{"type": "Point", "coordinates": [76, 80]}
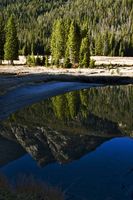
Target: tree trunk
{"type": "Point", "coordinates": [10, 62]}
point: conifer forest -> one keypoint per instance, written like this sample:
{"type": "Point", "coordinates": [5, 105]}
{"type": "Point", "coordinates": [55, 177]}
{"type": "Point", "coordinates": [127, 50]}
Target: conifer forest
{"type": "Point", "coordinates": [64, 27]}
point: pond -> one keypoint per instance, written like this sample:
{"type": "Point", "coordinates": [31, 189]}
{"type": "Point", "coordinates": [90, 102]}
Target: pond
{"type": "Point", "coordinates": [80, 141]}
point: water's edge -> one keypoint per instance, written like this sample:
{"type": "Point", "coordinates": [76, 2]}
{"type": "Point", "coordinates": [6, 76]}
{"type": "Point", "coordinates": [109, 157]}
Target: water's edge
{"type": "Point", "coordinates": [27, 95]}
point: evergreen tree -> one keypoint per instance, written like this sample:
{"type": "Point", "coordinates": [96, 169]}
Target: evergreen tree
{"type": "Point", "coordinates": [25, 50]}
{"type": "Point", "coordinates": [11, 45]}
{"type": "Point", "coordinates": [2, 39]}
{"type": "Point", "coordinates": [58, 41]}
{"type": "Point", "coordinates": [121, 50]}
{"type": "Point", "coordinates": [99, 46]}
{"type": "Point", "coordinates": [73, 43]}
{"type": "Point", "coordinates": [35, 24]}
{"type": "Point", "coordinates": [84, 56]}
{"type": "Point", "coordinates": [67, 24]}
{"type": "Point", "coordinates": [106, 44]}
{"type": "Point", "coordinates": [112, 45]}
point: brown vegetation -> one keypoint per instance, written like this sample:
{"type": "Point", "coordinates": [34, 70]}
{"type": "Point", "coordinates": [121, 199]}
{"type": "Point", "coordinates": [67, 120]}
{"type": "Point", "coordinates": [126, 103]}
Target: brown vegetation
{"type": "Point", "coordinates": [27, 188]}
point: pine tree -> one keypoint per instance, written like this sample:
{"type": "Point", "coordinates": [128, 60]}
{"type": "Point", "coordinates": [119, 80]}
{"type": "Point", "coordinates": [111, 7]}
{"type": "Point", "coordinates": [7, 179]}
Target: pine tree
{"type": "Point", "coordinates": [99, 45]}
{"type": "Point", "coordinates": [84, 55]}
{"type": "Point", "coordinates": [25, 50]}
{"type": "Point", "coordinates": [73, 43]}
{"type": "Point", "coordinates": [2, 39]}
{"type": "Point", "coordinates": [58, 41]}
{"type": "Point", "coordinates": [106, 44]}
{"type": "Point", "coordinates": [67, 24]}
{"type": "Point", "coordinates": [121, 50]}
{"type": "Point", "coordinates": [112, 45]}
{"type": "Point", "coordinates": [11, 45]}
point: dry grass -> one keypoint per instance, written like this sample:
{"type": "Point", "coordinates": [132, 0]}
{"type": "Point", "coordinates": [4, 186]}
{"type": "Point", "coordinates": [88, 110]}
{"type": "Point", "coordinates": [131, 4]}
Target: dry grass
{"type": "Point", "coordinates": [3, 181]}
{"type": "Point", "coordinates": [27, 188]}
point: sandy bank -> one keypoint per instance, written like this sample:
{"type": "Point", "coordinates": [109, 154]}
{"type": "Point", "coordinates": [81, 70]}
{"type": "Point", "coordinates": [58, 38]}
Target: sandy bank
{"type": "Point", "coordinates": [15, 76]}
{"type": "Point", "coordinates": [102, 71]}
{"type": "Point", "coordinates": [99, 60]}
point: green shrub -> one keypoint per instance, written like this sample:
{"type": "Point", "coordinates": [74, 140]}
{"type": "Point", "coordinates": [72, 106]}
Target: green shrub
{"type": "Point", "coordinates": [30, 61]}
{"type": "Point", "coordinates": [35, 60]}
{"type": "Point", "coordinates": [38, 61]}
{"type": "Point", "coordinates": [46, 63]}
{"type": "Point", "coordinates": [68, 64]}
{"type": "Point", "coordinates": [92, 63]}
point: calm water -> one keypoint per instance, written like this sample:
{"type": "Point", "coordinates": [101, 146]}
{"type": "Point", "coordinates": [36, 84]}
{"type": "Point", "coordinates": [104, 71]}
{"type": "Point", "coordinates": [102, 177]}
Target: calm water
{"type": "Point", "coordinates": [80, 141]}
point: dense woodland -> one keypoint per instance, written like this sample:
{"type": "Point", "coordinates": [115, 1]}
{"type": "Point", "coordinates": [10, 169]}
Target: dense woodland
{"type": "Point", "coordinates": [107, 23]}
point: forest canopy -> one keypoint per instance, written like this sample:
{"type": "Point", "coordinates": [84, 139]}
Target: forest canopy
{"type": "Point", "coordinates": [108, 23]}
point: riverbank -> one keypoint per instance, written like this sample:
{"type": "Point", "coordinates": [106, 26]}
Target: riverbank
{"type": "Point", "coordinates": [21, 75]}
{"type": "Point", "coordinates": [30, 94]}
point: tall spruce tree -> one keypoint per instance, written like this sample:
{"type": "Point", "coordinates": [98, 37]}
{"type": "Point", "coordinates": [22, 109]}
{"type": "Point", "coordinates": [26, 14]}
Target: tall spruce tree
{"type": "Point", "coordinates": [73, 43]}
{"type": "Point", "coordinates": [11, 44]}
{"type": "Point", "coordinates": [58, 41]}
{"type": "Point", "coordinates": [112, 45]}
{"type": "Point", "coordinates": [84, 55]}
{"type": "Point", "coordinates": [106, 44]}
{"type": "Point", "coordinates": [2, 38]}
{"type": "Point", "coordinates": [99, 45]}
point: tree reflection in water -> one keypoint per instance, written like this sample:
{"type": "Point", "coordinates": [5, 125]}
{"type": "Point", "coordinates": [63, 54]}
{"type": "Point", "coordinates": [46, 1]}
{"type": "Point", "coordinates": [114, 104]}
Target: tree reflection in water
{"type": "Point", "coordinates": [66, 127]}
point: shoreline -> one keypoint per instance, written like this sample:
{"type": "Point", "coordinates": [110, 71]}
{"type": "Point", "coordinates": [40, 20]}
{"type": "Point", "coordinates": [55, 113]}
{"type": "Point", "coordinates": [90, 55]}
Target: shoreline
{"type": "Point", "coordinates": [30, 94]}
{"type": "Point", "coordinates": [12, 77]}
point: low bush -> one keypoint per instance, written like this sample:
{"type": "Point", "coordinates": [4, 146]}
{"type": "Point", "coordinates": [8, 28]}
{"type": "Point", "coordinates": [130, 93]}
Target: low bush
{"type": "Point", "coordinates": [68, 64]}
{"type": "Point", "coordinates": [35, 60]}
{"type": "Point", "coordinates": [92, 63]}
{"type": "Point", "coordinates": [30, 60]}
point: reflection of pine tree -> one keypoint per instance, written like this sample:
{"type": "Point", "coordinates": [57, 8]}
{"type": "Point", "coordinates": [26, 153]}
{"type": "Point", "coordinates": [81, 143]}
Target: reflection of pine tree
{"type": "Point", "coordinates": [73, 100]}
{"type": "Point", "coordinates": [112, 103]}
{"type": "Point", "coordinates": [60, 107]}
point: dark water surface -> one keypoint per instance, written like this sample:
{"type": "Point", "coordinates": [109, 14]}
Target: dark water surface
{"type": "Point", "coordinates": [80, 141]}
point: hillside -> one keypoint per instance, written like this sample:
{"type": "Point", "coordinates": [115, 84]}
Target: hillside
{"type": "Point", "coordinates": [101, 19]}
